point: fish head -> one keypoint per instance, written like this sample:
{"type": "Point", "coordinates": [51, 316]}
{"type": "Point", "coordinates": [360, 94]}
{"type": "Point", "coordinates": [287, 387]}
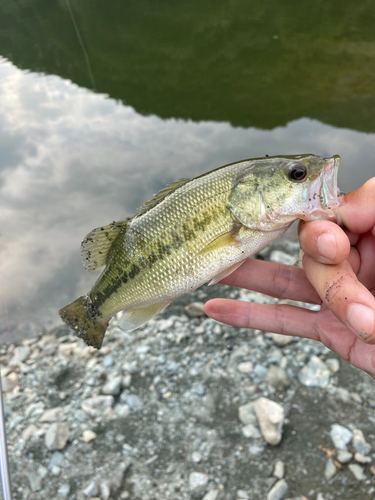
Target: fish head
{"type": "Point", "coordinates": [278, 190]}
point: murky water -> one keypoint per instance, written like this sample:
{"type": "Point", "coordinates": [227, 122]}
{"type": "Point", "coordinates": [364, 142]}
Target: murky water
{"type": "Point", "coordinates": [101, 106]}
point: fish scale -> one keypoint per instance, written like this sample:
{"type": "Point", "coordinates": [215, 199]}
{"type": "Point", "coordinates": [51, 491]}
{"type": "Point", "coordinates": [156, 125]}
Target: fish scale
{"type": "Point", "coordinates": [195, 231]}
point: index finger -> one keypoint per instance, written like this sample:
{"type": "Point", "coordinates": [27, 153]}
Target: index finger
{"type": "Point", "coordinates": [276, 280]}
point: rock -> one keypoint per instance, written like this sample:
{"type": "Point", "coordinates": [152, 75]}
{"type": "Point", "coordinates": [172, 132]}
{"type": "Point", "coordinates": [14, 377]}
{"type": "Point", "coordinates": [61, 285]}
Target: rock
{"type": "Point", "coordinates": [35, 481]}
{"type": "Point", "coordinates": [56, 459]}
{"type": "Point", "coordinates": [330, 469]}
{"type": "Point", "coordinates": [122, 410]}
{"type": "Point", "coordinates": [357, 472]}
{"type": "Point", "coordinates": [113, 386]}
{"type": "Point", "coordinates": [105, 491]}
{"type": "Point", "coordinates": [278, 378]}
{"type": "Point", "coordinates": [57, 436]}
{"type": "Point", "coordinates": [281, 257]}
{"type": "Point", "coordinates": [245, 367]}
{"type": "Point", "coordinates": [315, 374]}
{"type": "Point", "coordinates": [134, 402]}
{"type": "Point", "coordinates": [217, 330]}
{"type": "Point", "coordinates": [270, 417]}
{"type": "Point", "coordinates": [242, 494]}
{"type": "Point", "coordinates": [130, 366]}
{"type": "Point", "coordinates": [256, 449]}
{"type": "Point", "coordinates": [34, 410]}
{"type": "Point", "coordinates": [63, 491]}
{"type": "Point", "coordinates": [9, 382]}
{"type": "Point", "coordinates": [195, 309]}
{"type": "Point", "coordinates": [142, 349]}
{"type": "Point", "coordinates": [343, 394]}
{"type": "Point", "coordinates": [199, 330]}
{"type": "Point", "coordinates": [279, 470]}
{"type": "Point", "coordinates": [55, 470]}
{"type": "Point", "coordinates": [344, 457]}
{"type": "Point", "coordinates": [359, 442]}
{"type": "Point", "coordinates": [278, 491]}
{"type": "Point", "coordinates": [246, 413]}
{"type": "Point", "coordinates": [126, 380]}
{"type": "Point", "coordinates": [107, 361]}
{"type": "Point", "coordinates": [275, 356]}
{"type": "Point", "coordinates": [88, 436]}
{"type": "Point", "coordinates": [4, 371]}
{"type": "Point", "coordinates": [211, 495]}
{"type": "Point", "coordinates": [21, 354]}
{"type": "Point", "coordinates": [198, 388]}
{"type": "Point", "coordinates": [340, 436]}
{"type": "Point", "coordinates": [29, 432]}
{"type": "Point", "coordinates": [42, 471]}
{"type": "Point", "coordinates": [333, 364]}
{"type": "Point", "coordinates": [80, 415]}
{"type": "Point", "coordinates": [362, 459]}
{"type": "Point", "coordinates": [356, 397]}
{"type": "Point", "coordinates": [91, 490]}
{"type": "Point", "coordinates": [97, 404]}
{"type": "Point", "coordinates": [52, 414]}
{"type": "Point", "coordinates": [196, 457]}
{"type": "Point", "coordinates": [281, 340]}
{"type": "Point", "coordinates": [250, 431]}
{"type": "Point", "coordinates": [259, 372]}
{"type": "Point", "coordinates": [198, 480]}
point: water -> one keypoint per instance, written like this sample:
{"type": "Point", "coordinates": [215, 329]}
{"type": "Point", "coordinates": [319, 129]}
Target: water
{"type": "Point", "coordinates": [102, 105]}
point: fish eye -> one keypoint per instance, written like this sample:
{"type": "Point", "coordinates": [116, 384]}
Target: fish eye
{"type": "Point", "coordinates": [297, 172]}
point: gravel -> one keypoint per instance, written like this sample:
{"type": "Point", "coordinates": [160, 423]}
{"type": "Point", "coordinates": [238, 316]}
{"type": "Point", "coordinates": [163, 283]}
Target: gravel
{"type": "Point", "coordinates": [187, 409]}
{"type": "Point", "coordinates": [340, 436]}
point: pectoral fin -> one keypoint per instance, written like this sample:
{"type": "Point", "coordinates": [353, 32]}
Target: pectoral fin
{"type": "Point", "coordinates": [226, 239]}
{"type": "Point", "coordinates": [137, 316]}
{"type": "Point", "coordinates": [229, 270]}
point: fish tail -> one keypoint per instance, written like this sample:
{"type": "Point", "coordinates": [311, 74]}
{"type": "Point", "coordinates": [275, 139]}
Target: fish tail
{"type": "Point", "coordinates": [85, 321]}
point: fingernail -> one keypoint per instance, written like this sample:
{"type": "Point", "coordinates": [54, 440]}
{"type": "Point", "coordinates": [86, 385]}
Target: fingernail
{"type": "Point", "coordinates": [362, 320]}
{"type": "Point", "coordinates": [327, 246]}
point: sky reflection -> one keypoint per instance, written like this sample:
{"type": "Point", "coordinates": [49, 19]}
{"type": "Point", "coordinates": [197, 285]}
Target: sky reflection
{"type": "Point", "coordinates": [72, 160]}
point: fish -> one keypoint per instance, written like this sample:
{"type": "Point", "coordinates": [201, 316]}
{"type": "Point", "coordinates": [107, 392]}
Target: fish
{"type": "Point", "coordinates": [196, 231]}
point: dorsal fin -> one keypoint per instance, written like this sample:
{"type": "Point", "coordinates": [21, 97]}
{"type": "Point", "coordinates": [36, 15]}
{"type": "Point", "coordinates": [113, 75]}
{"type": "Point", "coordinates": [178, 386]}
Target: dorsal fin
{"type": "Point", "coordinates": [96, 245]}
{"type": "Point", "coordinates": [160, 196]}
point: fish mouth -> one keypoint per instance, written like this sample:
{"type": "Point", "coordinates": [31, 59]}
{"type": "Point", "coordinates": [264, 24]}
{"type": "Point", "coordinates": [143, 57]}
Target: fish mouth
{"type": "Point", "coordinates": [329, 189]}
{"type": "Point", "coordinates": [323, 192]}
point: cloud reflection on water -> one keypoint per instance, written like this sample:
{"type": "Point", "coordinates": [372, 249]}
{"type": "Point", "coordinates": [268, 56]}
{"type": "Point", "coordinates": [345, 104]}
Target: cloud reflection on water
{"type": "Point", "coordinates": [72, 160]}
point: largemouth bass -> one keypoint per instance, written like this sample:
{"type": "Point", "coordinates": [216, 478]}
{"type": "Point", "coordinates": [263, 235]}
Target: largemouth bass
{"type": "Point", "coordinates": [195, 231]}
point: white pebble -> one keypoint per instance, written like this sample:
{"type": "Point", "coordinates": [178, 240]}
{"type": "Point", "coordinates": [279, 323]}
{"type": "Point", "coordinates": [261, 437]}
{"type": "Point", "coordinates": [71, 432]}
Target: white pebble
{"type": "Point", "coordinates": [357, 472]}
{"type": "Point", "coordinates": [88, 435]}
{"type": "Point", "coordinates": [279, 469]}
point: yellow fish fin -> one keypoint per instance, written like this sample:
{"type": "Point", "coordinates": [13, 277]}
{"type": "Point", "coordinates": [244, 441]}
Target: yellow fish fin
{"type": "Point", "coordinates": [137, 316]}
{"type": "Point", "coordinates": [229, 270]}
{"type": "Point", "coordinates": [229, 238]}
{"type": "Point", "coordinates": [97, 244]}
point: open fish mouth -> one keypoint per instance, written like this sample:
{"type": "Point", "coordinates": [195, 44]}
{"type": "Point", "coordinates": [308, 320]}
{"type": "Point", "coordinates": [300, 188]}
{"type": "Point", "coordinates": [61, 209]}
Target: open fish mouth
{"type": "Point", "coordinates": [329, 190]}
{"type": "Point", "coordinates": [323, 191]}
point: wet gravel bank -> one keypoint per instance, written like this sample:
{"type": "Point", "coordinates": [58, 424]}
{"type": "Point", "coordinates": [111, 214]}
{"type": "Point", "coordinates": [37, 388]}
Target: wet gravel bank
{"type": "Point", "coordinates": [186, 408]}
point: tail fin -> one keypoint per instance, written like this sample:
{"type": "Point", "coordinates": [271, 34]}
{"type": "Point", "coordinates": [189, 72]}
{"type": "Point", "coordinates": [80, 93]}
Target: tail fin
{"type": "Point", "coordinates": [87, 326]}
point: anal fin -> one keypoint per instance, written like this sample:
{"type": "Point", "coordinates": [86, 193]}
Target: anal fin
{"type": "Point", "coordinates": [229, 270]}
{"type": "Point", "coordinates": [137, 316]}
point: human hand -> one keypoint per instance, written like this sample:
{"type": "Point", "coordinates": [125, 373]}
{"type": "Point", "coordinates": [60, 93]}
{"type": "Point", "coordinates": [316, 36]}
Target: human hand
{"type": "Point", "coordinates": [338, 273]}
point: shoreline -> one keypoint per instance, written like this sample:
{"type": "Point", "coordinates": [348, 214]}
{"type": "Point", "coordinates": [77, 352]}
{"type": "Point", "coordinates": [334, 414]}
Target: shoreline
{"type": "Point", "coordinates": [168, 412]}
